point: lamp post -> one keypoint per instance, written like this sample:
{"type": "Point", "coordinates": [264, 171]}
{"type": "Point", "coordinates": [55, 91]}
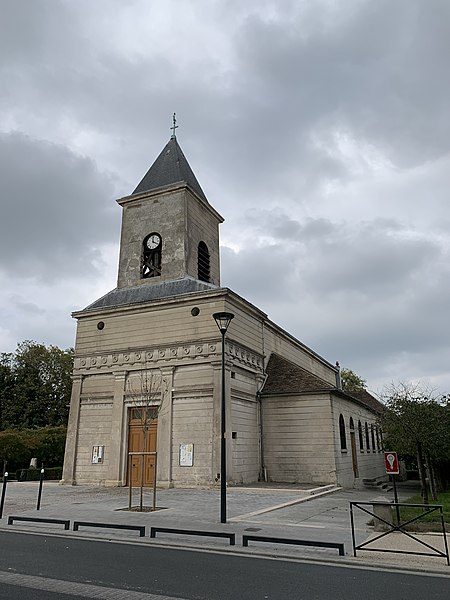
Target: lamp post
{"type": "Point", "coordinates": [223, 320]}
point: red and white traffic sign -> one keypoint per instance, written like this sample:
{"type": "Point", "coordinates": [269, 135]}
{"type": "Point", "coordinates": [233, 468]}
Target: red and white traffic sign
{"type": "Point", "coordinates": [391, 463]}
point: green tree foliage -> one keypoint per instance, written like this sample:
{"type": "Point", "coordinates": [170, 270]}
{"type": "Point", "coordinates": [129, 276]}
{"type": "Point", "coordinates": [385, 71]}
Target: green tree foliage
{"type": "Point", "coordinates": [35, 386]}
{"type": "Point", "coordinates": [6, 382]}
{"type": "Point", "coordinates": [416, 423]}
{"type": "Point", "coordinates": [351, 382]}
{"type": "Point", "coordinates": [15, 447]}
{"type": "Point", "coordinates": [19, 446]}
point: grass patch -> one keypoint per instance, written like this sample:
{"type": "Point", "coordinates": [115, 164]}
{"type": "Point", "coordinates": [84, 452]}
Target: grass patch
{"type": "Point", "coordinates": [430, 522]}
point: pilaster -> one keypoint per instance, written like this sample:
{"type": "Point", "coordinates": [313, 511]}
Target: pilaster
{"type": "Point", "coordinates": [164, 436]}
{"type": "Point", "coordinates": [118, 438]}
{"type": "Point", "coordinates": [70, 455]}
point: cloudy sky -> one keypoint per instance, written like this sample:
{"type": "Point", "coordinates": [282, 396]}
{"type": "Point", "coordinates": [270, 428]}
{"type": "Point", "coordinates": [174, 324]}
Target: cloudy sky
{"type": "Point", "coordinates": [318, 128]}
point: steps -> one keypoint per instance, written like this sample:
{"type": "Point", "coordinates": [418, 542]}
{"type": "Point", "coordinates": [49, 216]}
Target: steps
{"type": "Point", "coordinates": [377, 483]}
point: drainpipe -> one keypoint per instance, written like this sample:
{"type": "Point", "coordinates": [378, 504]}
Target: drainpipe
{"type": "Point", "coordinates": [262, 468]}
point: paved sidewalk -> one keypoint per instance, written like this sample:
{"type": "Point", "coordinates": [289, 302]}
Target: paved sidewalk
{"type": "Point", "coordinates": [300, 512]}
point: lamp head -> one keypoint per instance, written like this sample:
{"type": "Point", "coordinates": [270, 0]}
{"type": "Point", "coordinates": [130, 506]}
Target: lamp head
{"type": "Point", "coordinates": [223, 320]}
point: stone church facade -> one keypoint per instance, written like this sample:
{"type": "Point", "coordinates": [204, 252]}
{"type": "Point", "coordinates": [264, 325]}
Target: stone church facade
{"type": "Point", "coordinates": [151, 347]}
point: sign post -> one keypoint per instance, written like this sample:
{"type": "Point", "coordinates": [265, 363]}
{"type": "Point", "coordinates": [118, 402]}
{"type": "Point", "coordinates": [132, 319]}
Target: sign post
{"type": "Point", "coordinates": [391, 464]}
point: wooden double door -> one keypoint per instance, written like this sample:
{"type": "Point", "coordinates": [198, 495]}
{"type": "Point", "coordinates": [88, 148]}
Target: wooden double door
{"type": "Point", "coordinates": [142, 434]}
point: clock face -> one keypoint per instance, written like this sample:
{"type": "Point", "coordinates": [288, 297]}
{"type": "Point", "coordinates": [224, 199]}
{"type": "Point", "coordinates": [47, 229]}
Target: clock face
{"type": "Point", "coordinates": [153, 241]}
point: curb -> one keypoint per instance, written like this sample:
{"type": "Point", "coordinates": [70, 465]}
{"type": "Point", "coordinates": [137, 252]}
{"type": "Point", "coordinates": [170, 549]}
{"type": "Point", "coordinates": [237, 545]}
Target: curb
{"type": "Point", "coordinates": [347, 561]}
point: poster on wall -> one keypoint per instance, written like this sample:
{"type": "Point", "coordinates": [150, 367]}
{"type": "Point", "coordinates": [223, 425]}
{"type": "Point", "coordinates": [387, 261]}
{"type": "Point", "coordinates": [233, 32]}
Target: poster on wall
{"type": "Point", "coordinates": [97, 454]}
{"type": "Point", "coordinates": [186, 455]}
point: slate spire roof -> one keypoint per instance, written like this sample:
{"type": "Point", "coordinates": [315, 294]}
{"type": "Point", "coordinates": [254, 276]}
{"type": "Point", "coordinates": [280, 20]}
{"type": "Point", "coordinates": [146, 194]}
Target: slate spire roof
{"type": "Point", "coordinates": [169, 168]}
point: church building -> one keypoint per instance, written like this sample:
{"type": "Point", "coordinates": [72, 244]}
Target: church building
{"type": "Point", "coordinates": [148, 366]}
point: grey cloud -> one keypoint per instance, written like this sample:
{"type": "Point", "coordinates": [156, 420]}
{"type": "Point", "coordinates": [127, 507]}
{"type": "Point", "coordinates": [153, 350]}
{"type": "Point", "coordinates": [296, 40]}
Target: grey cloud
{"type": "Point", "coordinates": [28, 308]}
{"type": "Point", "coordinates": [57, 210]}
{"type": "Point", "coordinates": [292, 74]}
{"type": "Point", "coordinates": [369, 296]}
{"type": "Point", "coordinates": [322, 257]}
{"type": "Point", "coordinates": [276, 224]}
{"type": "Point", "coordinates": [265, 126]}
{"type": "Point", "coordinates": [377, 75]}
{"type": "Point", "coordinates": [369, 260]}
{"type": "Point", "coordinates": [255, 275]}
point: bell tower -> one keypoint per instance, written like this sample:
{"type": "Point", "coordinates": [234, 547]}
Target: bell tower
{"type": "Point", "coordinates": [169, 229]}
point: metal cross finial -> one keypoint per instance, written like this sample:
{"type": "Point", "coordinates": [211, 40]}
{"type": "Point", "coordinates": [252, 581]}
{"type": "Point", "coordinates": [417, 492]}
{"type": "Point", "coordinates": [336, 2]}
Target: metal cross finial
{"type": "Point", "coordinates": [174, 126]}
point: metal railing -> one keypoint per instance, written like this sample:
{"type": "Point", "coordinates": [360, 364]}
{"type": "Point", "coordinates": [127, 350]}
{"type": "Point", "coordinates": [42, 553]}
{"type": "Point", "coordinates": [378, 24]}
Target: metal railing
{"type": "Point", "coordinates": [399, 527]}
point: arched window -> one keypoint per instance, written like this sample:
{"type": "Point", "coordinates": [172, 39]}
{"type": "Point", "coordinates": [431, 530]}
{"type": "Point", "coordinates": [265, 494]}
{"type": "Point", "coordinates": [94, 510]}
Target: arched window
{"type": "Point", "coordinates": [372, 432]}
{"type": "Point", "coordinates": [366, 427]}
{"type": "Point", "coordinates": [352, 425]}
{"type": "Point", "coordinates": [342, 433]}
{"type": "Point", "coordinates": [360, 434]}
{"type": "Point", "coordinates": [151, 255]}
{"type": "Point", "coordinates": [203, 262]}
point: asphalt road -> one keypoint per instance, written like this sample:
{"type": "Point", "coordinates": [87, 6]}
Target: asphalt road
{"type": "Point", "coordinates": [61, 568]}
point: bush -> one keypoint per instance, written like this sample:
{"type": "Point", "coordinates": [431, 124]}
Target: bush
{"type": "Point", "coordinates": [49, 445]}
{"type": "Point", "coordinates": [16, 447]}
{"type": "Point", "coordinates": [19, 446]}
{"type": "Point", "coordinates": [51, 474]}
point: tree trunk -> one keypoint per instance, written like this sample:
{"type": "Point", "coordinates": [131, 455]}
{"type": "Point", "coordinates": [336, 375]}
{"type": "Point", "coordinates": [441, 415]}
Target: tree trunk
{"type": "Point", "coordinates": [141, 494]}
{"type": "Point", "coordinates": [422, 473]}
{"type": "Point", "coordinates": [432, 478]}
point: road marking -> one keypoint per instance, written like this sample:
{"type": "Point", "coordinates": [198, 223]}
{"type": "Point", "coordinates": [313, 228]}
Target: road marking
{"type": "Point", "coordinates": [83, 590]}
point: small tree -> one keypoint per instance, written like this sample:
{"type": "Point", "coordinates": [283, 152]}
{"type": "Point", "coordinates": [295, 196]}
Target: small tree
{"type": "Point", "coordinates": [351, 382]}
{"type": "Point", "coordinates": [144, 390]}
{"type": "Point", "coordinates": [416, 422]}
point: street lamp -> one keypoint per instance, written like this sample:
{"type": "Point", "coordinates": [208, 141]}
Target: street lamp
{"type": "Point", "coordinates": [223, 319]}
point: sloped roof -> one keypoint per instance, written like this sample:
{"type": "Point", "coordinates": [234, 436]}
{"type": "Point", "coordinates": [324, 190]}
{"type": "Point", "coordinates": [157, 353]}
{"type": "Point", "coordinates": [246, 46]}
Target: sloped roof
{"type": "Point", "coordinates": [366, 398]}
{"type": "Point", "coordinates": [284, 377]}
{"type": "Point", "coordinates": [169, 168]}
{"type": "Point", "coordinates": [145, 293]}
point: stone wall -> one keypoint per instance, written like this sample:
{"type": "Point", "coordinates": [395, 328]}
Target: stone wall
{"type": "Point", "coordinates": [298, 443]}
{"type": "Point", "coordinates": [370, 460]}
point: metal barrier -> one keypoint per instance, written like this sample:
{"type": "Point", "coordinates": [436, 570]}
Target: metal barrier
{"type": "Point", "coordinates": [278, 540]}
{"type": "Point", "coordinates": [399, 527]}
{"type": "Point", "coordinates": [64, 522]}
{"type": "Point", "coordinates": [222, 534]}
{"type": "Point", "coordinates": [140, 528]}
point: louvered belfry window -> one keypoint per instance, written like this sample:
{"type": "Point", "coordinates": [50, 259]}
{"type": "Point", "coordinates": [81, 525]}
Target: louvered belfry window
{"type": "Point", "coordinates": [203, 262]}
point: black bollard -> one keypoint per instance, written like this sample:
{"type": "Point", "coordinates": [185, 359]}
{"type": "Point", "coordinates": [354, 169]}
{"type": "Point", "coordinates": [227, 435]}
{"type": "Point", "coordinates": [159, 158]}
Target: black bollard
{"type": "Point", "coordinates": [41, 481]}
{"type": "Point", "coordinates": [2, 503]}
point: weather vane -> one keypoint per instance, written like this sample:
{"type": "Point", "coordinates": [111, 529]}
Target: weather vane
{"type": "Point", "coordinates": [174, 126]}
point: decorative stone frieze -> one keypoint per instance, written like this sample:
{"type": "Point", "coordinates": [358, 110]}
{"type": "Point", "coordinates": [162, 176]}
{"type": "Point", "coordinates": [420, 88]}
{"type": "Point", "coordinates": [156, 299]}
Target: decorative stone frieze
{"type": "Point", "coordinates": [244, 356]}
{"type": "Point", "coordinates": [165, 355]}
